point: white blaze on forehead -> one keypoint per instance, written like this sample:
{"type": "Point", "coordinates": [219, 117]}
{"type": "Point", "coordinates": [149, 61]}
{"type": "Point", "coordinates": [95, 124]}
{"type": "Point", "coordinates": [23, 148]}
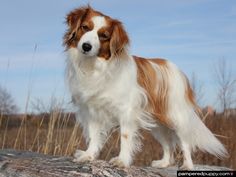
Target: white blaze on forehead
{"type": "Point", "coordinates": [99, 22]}
{"type": "Point", "coordinates": [91, 37]}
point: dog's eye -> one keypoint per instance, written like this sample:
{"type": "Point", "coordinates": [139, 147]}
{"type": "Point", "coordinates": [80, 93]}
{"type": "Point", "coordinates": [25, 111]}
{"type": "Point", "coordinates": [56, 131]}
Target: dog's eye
{"type": "Point", "coordinates": [85, 27]}
{"type": "Point", "coordinates": [104, 36]}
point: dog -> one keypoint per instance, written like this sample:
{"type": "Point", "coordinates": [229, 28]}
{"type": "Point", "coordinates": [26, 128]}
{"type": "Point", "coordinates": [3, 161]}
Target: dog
{"type": "Point", "coordinates": [110, 88]}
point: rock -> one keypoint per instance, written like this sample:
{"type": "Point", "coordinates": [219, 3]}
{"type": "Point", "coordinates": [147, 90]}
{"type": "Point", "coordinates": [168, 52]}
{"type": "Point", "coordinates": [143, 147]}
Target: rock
{"type": "Point", "coordinates": [31, 164]}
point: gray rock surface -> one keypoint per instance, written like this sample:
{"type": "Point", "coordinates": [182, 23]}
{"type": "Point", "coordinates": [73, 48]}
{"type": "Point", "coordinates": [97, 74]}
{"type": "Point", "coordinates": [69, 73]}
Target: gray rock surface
{"type": "Point", "coordinates": [30, 164]}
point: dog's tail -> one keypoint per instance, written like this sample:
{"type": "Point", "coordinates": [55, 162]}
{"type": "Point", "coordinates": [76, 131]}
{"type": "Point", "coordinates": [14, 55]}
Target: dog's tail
{"type": "Point", "coordinates": [199, 136]}
{"type": "Point", "coordinates": [183, 113]}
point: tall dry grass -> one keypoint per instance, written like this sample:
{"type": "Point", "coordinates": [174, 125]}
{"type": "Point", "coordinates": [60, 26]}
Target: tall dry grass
{"type": "Point", "coordinates": [58, 134]}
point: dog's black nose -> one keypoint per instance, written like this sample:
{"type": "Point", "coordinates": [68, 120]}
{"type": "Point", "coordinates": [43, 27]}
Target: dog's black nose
{"type": "Point", "coordinates": [86, 47]}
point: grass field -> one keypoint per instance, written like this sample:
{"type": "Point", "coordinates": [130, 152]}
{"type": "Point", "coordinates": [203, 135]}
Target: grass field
{"type": "Point", "coordinates": [57, 134]}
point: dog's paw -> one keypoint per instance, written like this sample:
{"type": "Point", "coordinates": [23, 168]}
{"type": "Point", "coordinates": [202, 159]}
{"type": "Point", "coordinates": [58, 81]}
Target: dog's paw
{"type": "Point", "coordinates": [186, 167]}
{"type": "Point", "coordinates": [116, 161]}
{"type": "Point", "coordinates": [82, 156]}
{"type": "Point", "coordinates": [160, 163]}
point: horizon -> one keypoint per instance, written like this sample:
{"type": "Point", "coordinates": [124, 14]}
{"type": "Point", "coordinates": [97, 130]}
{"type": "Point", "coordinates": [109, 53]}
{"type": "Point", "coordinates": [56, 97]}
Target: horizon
{"type": "Point", "coordinates": [193, 34]}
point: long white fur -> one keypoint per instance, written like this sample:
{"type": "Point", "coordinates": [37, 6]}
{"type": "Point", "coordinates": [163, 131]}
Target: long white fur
{"type": "Point", "coordinates": [187, 123]}
{"type": "Point", "coordinates": [106, 94]}
{"type": "Point", "coordinates": [188, 131]}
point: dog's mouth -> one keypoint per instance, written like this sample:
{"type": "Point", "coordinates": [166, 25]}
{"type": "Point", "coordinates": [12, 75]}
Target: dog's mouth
{"type": "Point", "coordinates": [88, 53]}
{"type": "Point", "coordinates": [84, 52]}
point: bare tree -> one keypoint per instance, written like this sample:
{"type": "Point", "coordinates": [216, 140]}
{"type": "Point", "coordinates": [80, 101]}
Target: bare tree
{"type": "Point", "coordinates": [197, 87]}
{"type": "Point", "coordinates": [54, 105]}
{"type": "Point", "coordinates": [226, 85]}
{"type": "Point", "coordinates": [7, 104]}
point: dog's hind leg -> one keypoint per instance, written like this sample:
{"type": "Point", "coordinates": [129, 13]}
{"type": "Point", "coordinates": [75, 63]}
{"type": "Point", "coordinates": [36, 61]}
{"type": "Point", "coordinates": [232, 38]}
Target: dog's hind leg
{"type": "Point", "coordinates": [187, 159]}
{"type": "Point", "coordinates": [165, 137]}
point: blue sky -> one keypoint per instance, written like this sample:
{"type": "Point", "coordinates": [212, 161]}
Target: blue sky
{"type": "Point", "coordinates": [194, 34]}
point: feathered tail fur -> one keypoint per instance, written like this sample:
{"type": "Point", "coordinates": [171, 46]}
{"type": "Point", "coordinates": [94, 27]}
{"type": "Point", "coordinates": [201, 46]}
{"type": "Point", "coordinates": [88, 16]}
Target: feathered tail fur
{"type": "Point", "coordinates": [185, 119]}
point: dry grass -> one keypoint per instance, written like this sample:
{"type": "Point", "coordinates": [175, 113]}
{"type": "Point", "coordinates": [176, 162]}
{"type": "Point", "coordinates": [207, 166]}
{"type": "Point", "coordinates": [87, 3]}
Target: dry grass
{"type": "Point", "coordinates": [57, 134]}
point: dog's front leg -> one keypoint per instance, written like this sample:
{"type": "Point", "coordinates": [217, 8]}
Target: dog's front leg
{"type": "Point", "coordinates": [129, 143]}
{"type": "Point", "coordinates": [95, 134]}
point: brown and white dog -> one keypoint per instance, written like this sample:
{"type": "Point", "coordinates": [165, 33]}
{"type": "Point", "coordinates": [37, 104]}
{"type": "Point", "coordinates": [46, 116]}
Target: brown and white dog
{"type": "Point", "coordinates": [110, 87]}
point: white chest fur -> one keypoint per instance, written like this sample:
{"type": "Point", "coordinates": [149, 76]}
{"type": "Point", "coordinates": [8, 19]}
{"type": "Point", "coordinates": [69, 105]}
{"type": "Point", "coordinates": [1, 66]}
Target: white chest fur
{"type": "Point", "coordinates": [99, 84]}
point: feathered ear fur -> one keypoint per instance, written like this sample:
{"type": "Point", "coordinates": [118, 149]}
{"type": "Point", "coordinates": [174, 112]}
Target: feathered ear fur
{"type": "Point", "coordinates": [74, 20]}
{"type": "Point", "coordinates": [119, 39]}
{"type": "Point", "coordinates": [75, 17]}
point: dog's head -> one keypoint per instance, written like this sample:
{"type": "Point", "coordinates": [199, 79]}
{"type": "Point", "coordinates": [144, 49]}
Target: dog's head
{"type": "Point", "coordinates": [95, 34]}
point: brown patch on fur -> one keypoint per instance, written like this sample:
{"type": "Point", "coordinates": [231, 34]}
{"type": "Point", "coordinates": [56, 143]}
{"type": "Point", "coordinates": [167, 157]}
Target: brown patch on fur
{"type": "Point", "coordinates": [190, 93]}
{"type": "Point", "coordinates": [104, 35]}
{"type": "Point", "coordinates": [156, 87]}
{"type": "Point", "coordinates": [119, 38]}
{"type": "Point", "coordinates": [159, 61]}
{"type": "Point", "coordinates": [113, 38]}
{"type": "Point", "coordinates": [74, 20]}
{"type": "Point", "coordinates": [190, 96]}
{"type": "Point", "coordinates": [125, 136]}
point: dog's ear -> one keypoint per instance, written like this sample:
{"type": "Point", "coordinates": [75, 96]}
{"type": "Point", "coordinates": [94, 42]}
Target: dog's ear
{"type": "Point", "coordinates": [75, 17]}
{"type": "Point", "coordinates": [119, 39]}
{"type": "Point", "coordinates": [74, 20]}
